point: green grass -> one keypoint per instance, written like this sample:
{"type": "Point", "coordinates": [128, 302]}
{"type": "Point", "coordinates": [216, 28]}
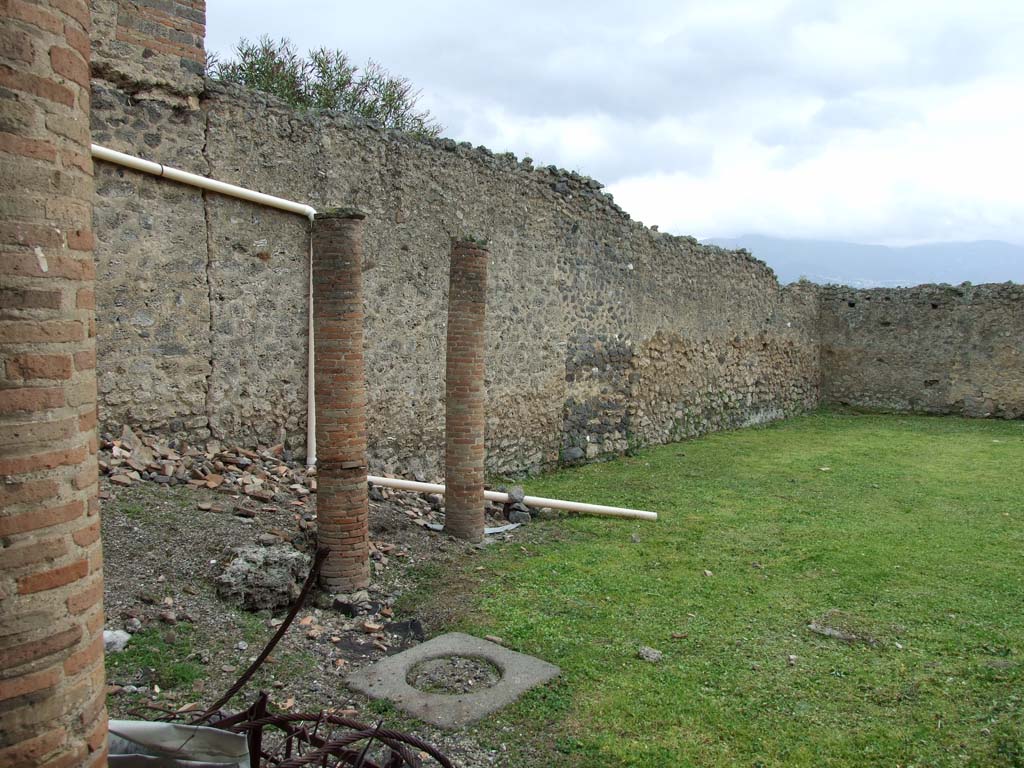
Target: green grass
{"type": "Point", "coordinates": [150, 658]}
{"type": "Point", "coordinates": [913, 538]}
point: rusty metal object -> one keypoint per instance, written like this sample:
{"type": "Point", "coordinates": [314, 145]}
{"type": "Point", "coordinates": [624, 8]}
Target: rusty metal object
{"type": "Point", "coordinates": [291, 740]}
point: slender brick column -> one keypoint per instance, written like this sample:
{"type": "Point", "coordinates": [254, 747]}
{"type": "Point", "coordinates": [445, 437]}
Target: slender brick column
{"type": "Point", "coordinates": [52, 692]}
{"type": "Point", "coordinates": [342, 504]}
{"type": "Point", "coordinates": [464, 391]}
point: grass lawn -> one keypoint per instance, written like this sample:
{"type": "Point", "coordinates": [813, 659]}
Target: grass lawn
{"type": "Point", "coordinates": [905, 533]}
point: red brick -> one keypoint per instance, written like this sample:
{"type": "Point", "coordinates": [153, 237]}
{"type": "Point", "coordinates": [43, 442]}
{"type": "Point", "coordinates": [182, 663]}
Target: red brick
{"type": "Point", "coordinates": [86, 657]}
{"type": "Point", "coordinates": [39, 367]}
{"type": "Point", "coordinates": [36, 149]}
{"type": "Point", "coordinates": [30, 399]}
{"type": "Point", "coordinates": [41, 648]}
{"type": "Point", "coordinates": [56, 577]}
{"type": "Point", "coordinates": [341, 400]}
{"type": "Point", "coordinates": [77, 10]}
{"type": "Point", "coordinates": [81, 240]}
{"type": "Point", "coordinates": [34, 552]}
{"type": "Point", "coordinates": [35, 86]}
{"type": "Point", "coordinates": [41, 331]}
{"type": "Point", "coordinates": [38, 519]}
{"type": "Point", "coordinates": [32, 14]}
{"type": "Point", "coordinates": [30, 235]}
{"type": "Point", "coordinates": [19, 686]}
{"type": "Point", "coordinates": [464, 393]}
{"type": "Point", "coordinates": [86, 297]}
{"type": "Point", "coordinates": [78, 40]}
{"type": "Point", "coordinates": [28, 265]}
{"type": "Point", "coordinates": [31, 753]}
{"type": "Point", "coordinates": [85, 536]}
{"type": "Point", "coordinates": [85, 361]}
{"type": "Point", "coordinates": [82, 162]}
{"type": "Point", "coordinates": [82, 601]}
{"type": "Point", "coordinates": [45, 234]}
{"type": "Point", "coordinates": [26, 298]}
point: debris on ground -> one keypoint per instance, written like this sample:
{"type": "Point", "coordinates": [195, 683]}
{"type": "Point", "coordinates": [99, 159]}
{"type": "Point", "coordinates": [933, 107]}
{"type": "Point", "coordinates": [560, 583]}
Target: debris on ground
{"type": "Point", "coordinates": [172, 529]}
{"type": "Point", "coordinates": [263, 577]}
{"type": "Point", "coordinates": [842, 635]}
{"type": "Point", "coordinates": [115, 640]}
{"type": "Point", "coordinates": [649, 654]}
{"type": "Point", "coordinates": [257, 481]}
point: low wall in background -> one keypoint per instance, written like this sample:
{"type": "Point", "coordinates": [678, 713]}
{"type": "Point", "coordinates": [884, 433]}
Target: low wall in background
{"type": "Point", "coordinates": [930, 349]}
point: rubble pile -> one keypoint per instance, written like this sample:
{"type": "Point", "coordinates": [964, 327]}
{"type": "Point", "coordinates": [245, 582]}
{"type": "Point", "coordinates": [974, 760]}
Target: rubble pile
{"type": "Point", "coordinates": [253, 481]}
{"type": "Point", "coordinates": [267, 476]}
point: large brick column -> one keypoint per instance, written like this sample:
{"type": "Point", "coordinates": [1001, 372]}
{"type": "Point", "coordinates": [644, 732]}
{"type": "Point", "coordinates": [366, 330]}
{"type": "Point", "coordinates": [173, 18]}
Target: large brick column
{"type": "Point", "coordinates": [464, 391]}
{"type": "Point", "coordinates": [52, 693]}
{"type": "Point", "coordinates": [342, 504]}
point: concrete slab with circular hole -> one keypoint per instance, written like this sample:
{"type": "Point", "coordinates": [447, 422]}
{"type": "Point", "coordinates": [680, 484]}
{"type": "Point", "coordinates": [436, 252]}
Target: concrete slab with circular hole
{"type": "Point", "coordinates": [388, 679]}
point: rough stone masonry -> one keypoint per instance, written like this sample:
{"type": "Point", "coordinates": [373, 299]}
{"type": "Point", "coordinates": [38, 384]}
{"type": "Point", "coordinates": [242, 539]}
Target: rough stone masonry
{"type": "Point", "coordinates": [203, 298]}
{"type": "Point", "coordinates": [603, 334]}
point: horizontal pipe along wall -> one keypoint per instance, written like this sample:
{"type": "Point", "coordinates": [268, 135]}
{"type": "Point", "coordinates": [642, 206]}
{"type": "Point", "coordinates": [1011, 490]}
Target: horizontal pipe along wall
{"type": "Point", "coordinates": [465, 395]}
{"type": "Point", "coordinates": [342, 503]}
{"type": "Point", "coordinates": [52, 690]}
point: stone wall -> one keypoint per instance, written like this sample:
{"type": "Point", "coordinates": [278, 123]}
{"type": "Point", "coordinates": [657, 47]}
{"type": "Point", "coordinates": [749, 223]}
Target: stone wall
{"type": "Point", "coordinates": [601, 333]}
{"type": "Point", "coordinates": [929, 349]}
{"type": "Point", "coordinates": [153, 47]}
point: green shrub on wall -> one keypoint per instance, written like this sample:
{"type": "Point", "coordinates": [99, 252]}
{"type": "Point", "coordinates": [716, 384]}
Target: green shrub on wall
{"type": "Point", "coordinates": [325, 79]}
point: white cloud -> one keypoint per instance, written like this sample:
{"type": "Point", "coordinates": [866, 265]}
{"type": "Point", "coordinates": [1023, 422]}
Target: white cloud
{"type": "Point", "coordinates": [872, 120]}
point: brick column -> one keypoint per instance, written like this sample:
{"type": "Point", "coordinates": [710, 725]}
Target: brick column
{"type": "Point", "coordinates": [342, 504]}
{"type": "Point", "coordinates": [52, 693]}
{"type": "Point", "coordinates": [464, 391]}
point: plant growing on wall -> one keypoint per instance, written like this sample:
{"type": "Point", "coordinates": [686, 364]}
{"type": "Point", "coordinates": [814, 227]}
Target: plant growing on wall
{"type": "Point", "coordinates": [325, 79]}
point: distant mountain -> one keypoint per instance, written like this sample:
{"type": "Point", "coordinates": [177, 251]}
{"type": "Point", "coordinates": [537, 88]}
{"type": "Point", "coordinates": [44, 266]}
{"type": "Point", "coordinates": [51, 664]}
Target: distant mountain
{"type": "Point", "coordinates": [863, 266]}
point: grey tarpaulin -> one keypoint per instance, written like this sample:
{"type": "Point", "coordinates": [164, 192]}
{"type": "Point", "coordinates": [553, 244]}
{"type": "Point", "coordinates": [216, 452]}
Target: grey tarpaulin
{"type": "Point", "coordinates": [142, 744]}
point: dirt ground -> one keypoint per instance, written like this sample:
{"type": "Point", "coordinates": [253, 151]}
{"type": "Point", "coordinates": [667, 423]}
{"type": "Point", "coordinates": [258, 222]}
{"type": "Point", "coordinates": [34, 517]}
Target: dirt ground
{"type": "Point", "coordinates": [164, 546]}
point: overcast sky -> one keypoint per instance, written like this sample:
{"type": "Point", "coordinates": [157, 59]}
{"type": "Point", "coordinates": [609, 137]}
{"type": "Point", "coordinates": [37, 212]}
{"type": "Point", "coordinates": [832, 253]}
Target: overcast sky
{"type": "Point", "coordinates": [899, 121]}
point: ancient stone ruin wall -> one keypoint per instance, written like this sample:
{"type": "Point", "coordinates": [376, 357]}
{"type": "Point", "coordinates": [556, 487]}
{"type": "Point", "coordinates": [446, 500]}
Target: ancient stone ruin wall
{"type": "Point", "coordinates": [601, 333]}
{"type": "Point", "coordinates": [203, 298]}
{"type": "Point", "coordinates": [929, 349]}
{"type": "Point", "coordinates": [150, 46]}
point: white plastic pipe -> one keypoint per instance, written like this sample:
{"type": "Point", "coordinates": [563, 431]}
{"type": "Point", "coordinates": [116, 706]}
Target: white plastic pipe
{"type": "Point", "coordinates": [203, 182]}
{"type": "Point", "coordinates": [530, 501]}
{"type": "Point", "coordinates": [232, 190]}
